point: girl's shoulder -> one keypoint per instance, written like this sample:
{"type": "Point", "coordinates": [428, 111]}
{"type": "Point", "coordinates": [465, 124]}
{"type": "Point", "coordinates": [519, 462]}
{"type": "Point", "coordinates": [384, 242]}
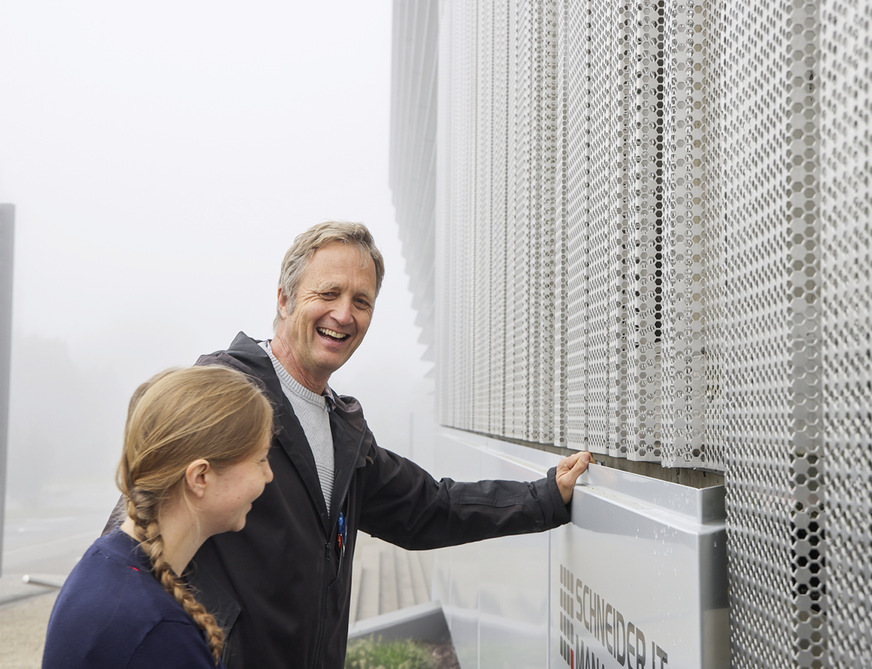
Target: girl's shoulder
{"type": "Point", "coordinates": [109, 605]}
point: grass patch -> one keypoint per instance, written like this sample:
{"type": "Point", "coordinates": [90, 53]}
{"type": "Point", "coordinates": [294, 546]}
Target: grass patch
{"type": "Point", "coordinates": [376, 654]}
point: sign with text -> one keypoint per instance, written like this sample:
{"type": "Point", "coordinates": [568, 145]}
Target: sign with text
{"type": "Point", "coordinates": [639, 577]}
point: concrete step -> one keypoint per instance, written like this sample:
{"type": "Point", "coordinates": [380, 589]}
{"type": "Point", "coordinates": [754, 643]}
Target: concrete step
{"type": "Point", "coordinates": [387, 578]}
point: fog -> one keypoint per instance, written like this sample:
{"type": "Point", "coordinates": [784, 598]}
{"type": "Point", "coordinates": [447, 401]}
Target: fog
{"type": "Point", "coordinates": [161, 157]}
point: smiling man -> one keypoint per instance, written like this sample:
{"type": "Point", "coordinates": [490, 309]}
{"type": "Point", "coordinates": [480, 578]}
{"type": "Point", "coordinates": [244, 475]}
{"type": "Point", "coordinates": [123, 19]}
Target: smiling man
{"type": "Point", "coordinates": [281, 587]}
{"type": "Point", "coordinates": [325, 320]}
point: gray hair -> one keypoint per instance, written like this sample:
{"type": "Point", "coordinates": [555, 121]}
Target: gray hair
{"type": "Point", "coordinates": [306, 243]}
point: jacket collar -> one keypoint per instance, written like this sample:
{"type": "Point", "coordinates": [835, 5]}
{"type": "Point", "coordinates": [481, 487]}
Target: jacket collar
{"type": "Point", "coordinates": [346, 421]}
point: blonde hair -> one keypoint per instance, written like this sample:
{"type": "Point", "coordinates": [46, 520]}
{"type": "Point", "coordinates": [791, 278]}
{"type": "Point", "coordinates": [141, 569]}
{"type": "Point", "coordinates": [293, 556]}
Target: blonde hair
{"type": "Point", "coordinates": [178, 416]}
{"type": "Point", "coordinates": [306, 243]}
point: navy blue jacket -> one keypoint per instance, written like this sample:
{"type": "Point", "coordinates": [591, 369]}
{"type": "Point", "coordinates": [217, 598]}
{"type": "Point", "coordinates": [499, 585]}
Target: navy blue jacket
{"type": "Point", "coordinates": [113, 614]}
{"type": "Point", "coordinates": [281, 587]}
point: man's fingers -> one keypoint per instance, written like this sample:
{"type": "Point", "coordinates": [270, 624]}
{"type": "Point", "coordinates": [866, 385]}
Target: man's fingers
{"type": "Point", "coordinates": [568, 471]}
{"type": "Point", "coordinates": [583, 460]}
{"type": "Point", "coordinates": [579, 462]}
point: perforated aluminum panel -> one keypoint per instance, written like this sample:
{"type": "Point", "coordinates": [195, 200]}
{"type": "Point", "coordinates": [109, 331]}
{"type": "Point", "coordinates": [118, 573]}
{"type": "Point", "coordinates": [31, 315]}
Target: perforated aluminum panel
{"type": "Point", "coordinates": [482, 286]}
{"type": "Point", "coordinates": [413, 151]}
{"type": "Point", "coordinates": [768, 315]}
{"type": "Point", "coordinates": [843, 474]}
{"type": "Point", "coordinates": [495, 345]}
{"type": "Point", "coordinates": [654, 243]}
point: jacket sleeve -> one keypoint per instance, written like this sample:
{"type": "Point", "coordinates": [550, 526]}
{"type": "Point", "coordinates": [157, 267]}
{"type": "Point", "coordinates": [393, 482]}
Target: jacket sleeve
{"type": "Point", "coordinates": [404, 505]}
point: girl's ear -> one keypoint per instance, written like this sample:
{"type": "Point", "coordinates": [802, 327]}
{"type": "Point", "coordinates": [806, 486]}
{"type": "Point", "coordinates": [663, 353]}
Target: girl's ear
{"type": "Point", "coordinates": [195, 477]}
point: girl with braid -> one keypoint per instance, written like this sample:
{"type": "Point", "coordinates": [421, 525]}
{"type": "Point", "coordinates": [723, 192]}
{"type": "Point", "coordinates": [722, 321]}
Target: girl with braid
{"type": "Point", "coordinates": [194, 460]}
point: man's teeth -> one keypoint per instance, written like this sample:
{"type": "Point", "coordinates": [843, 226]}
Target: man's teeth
{"type": "Point", "coordinates": [332, 333]}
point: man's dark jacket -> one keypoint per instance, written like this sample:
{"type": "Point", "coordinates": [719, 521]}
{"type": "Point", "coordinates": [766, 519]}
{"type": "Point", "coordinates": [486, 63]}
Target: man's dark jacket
{"type": "Point", "coordinates": [281, 587]}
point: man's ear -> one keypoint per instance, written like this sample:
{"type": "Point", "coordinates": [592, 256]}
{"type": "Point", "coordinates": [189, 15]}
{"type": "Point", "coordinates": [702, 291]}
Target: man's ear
{"type": "Point", "coordinates": [283, 303]}
{"type": "Point", "coordinates": [195, 477]}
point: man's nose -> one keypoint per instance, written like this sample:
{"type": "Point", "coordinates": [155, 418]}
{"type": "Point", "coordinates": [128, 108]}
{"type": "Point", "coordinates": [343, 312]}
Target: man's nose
{"type": "Point", "coordinates": [342, 310]}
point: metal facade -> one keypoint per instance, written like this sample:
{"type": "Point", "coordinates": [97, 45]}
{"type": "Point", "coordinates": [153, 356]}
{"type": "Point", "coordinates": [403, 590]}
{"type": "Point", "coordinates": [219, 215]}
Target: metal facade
{"type": "Point", "coordinates": [652, 241]}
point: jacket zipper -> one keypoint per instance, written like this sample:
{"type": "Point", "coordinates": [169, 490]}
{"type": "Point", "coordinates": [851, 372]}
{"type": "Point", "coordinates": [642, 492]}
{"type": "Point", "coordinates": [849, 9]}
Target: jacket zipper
{"type": "Point", "coordinates": [327, 548]}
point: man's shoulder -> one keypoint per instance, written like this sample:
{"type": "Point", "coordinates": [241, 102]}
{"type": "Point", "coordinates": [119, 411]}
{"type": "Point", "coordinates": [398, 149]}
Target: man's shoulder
{"type": "Point", "coordinates": [246, 355]}
{"type": "Point", "coordinates": [345, 403]}
{"type": "Point", "coordinates": [347, 406]}
{"type": "Point", "coordinates": [242, 348]}
{"type": "Point", "coordinates": [349, 411]}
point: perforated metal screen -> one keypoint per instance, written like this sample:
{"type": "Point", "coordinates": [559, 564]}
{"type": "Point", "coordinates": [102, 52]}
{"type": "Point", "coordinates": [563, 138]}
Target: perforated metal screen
{"type": "Point", "coordinates": [843, 476]}
{"type": "Point", "coordinates": [653, 225]}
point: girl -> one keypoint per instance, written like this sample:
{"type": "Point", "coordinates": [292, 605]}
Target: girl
{"type": "Point", "coordinates": [195, 458]}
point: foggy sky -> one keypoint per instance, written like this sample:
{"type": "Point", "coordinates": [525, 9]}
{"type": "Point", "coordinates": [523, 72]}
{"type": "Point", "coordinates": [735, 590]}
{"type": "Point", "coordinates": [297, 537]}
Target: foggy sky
{"type": "Point", "coordinates": [161, 157]}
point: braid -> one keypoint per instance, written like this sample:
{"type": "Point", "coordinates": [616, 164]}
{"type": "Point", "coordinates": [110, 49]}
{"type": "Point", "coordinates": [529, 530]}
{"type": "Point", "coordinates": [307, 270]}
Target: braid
{"type": "Point", "coordinates": [143, 512]}
{"type": "Point", "coordinates": [177, 417]}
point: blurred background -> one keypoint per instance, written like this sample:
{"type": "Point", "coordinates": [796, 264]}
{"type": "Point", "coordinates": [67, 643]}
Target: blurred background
{"type": "Point", "coordinates": [161, 158]}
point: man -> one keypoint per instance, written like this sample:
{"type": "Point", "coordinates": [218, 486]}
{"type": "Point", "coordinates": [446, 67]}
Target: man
{"type": "Point", "coordinates": [281, 587]}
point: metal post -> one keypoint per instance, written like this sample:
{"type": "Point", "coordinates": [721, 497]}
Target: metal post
{"type": "Point", "coordinates": [7, 238]}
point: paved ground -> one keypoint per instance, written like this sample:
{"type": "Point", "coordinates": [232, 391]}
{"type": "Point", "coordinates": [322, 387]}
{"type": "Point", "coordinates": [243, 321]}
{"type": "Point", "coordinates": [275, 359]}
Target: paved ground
{"type": "Point", "coordinates": [23, 619]}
